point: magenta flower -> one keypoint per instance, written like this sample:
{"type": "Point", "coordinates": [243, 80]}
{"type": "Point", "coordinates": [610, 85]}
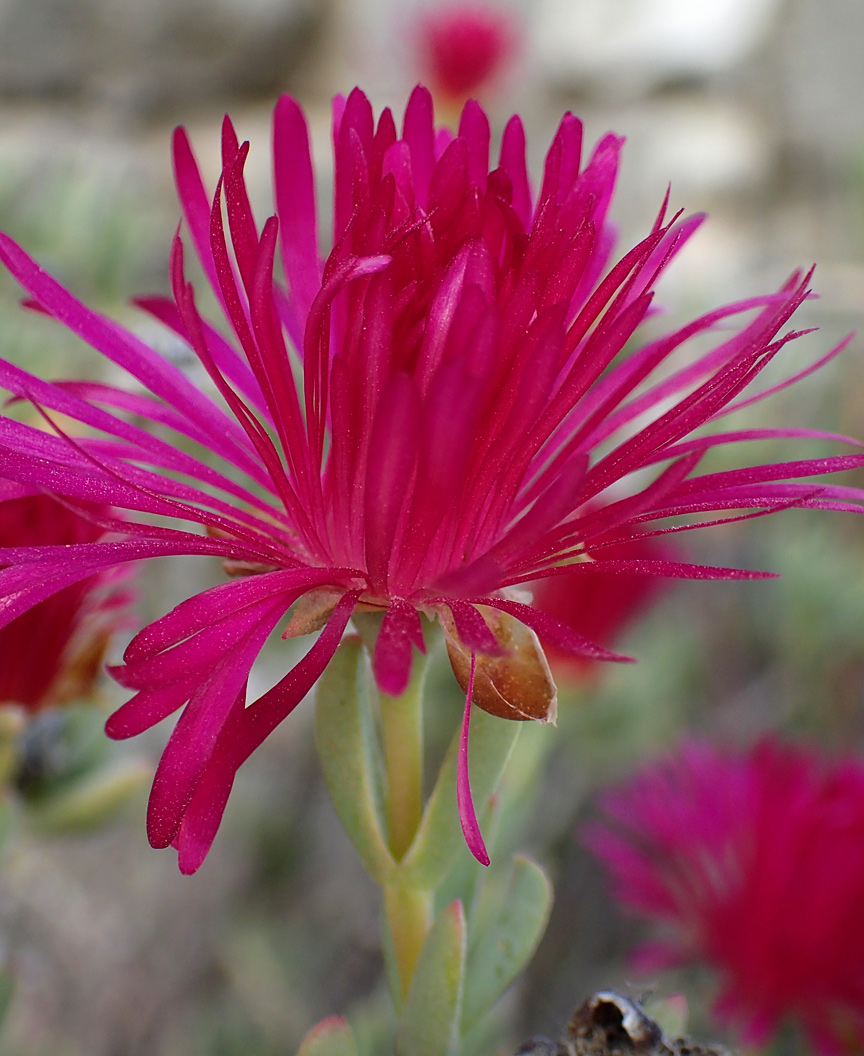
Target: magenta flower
{"type": "Point", "coordinates": [52, 653]}
{"type": "Point", "coordinates": [464, 46]}
{"type": "Point", "coordinates": [754, 863]}
{"type": "Point", "coordinates": [464, 421]}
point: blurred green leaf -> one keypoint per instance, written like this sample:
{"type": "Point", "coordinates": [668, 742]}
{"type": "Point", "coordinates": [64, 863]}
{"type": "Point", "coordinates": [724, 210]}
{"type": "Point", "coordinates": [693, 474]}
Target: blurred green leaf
{"type": "Point", "coordinates": [507, 944]}
{"type": "Point", "coordinates": [330, 1037]}
{"type": "Point", "coordinates": [90, 801]}
{"type": "Point", "coordinates": [58, 748]}
{"type": "Point", "coordinates": [343, 734]}
{"type": "Point", "coordinates": [671, 1013]}
{"type": "Point", "coordinates": [429, 1022]}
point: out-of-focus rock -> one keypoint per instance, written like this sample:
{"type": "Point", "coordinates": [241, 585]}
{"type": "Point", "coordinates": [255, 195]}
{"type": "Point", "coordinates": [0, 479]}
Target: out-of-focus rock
{"type": "Point", "coordinates": [821, 78]}
{"type": "Point", "coordinates": [146, 55]}
{"type": "Point", "coordinates": [628, 46]}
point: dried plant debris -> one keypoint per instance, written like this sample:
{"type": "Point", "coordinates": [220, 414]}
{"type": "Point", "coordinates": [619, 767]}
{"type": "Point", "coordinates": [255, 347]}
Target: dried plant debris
{"type": "Point", "coordinates": [609, 1024]}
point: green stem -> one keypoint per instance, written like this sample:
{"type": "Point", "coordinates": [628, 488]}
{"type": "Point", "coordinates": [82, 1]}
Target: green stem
{"type": "Point", "coordinates": [409, 917]}
{"type": "Point", "coordinates": [408, 908]}
{"type": "Point", "coordinates": [402, 738]}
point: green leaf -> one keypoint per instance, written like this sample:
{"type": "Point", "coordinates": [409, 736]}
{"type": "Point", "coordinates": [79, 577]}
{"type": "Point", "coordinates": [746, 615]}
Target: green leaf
{"type": "Point", "coordinates": [343, 733]}
{"type": "Point", "coordinates": [439, 839]}
{"type": "Point", "coordinates": [429, 1021]}
{"type": "Point", "coordinates": [508, 943]}
{"type": "Point", "coordinates": [330, 1037]}
{"type": "Point", "coordinates": [90, 801]}
{"type": "Point", "coordinates": [669, 1013]}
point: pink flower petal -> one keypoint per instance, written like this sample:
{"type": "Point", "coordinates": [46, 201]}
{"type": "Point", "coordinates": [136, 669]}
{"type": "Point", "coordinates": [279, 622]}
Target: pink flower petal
{"type": "Point", "coordinates": [246, 729]}
{"type": "Point", "coordinates": [467, 815]}
{"type": "Point", "coordinates": [391, 662]}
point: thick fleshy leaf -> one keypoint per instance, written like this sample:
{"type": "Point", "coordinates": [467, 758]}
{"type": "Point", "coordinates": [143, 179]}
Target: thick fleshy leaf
{"type": "Point", "coordinates": [330, 1037]}
{"type": "Point", "coordinates": [344, 736]}
{"type": "Point", "coordinates": [429, 1020]}
{"type": "Point", "coordinates": [508, 942]}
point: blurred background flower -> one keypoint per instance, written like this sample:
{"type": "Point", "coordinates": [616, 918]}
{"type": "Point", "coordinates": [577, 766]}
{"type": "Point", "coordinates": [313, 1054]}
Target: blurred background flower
{"type": "Point", "coordinates": [53, 653]}
{"type": "Point", "coordinates": [463, 49]}
{"type": "Point", "coordinates": [753, 863]}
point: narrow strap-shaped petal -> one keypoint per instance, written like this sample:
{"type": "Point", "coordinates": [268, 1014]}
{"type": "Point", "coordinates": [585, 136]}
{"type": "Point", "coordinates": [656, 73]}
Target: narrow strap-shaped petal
{"type": "Point", "coordinates": [391, 661]}
{"type": "Point", "coordinates": [152, 370]}
{"type": "Point", "coordinates": [668, 569]}
{"type": "Point", "coordinates": [595, 414]}
{"type": "Point", "coordinates": [316, 374]}
{"type": "Point", "coordinates": [731, 478]}
{"type": "Point", "coordinates": [274, 369]}
{"type": "Point", "coordinates": [607, 517]}
{"type": "Point", "coordinates": [225, 355]}
{"type": "Point", "coordinates": [702, 443]}
{"type": "Point", "coordinates": [473, 630]}
{"type": "Point", "coordinates": [147, 708]}
{"type": "Point", "coordinates": [792, 379]}
{"type": "Point", "coordinates": [512, 161]}
{"type": "Point", "coordinates": [261, 718]}
{"type": "Point", "coordinates": [196, 612]}
{"type": "Point", "coordinates": [474, 129]}
{"type": "Point", "coordinates": [254, 430]}
{"type": "Point", "coordinates": [201, 649]}
{"type": "Point", "coordinates": [195, 203]}
{"type": "Point", "coordinates": [10, 489]}
{"type": "Point", "coordinates": [72, 401]}
{"type": "Point", "coordinates": [464, 800]}
{"type": "Point", "coordinates": [122, 485]}
{"type": "Point", "coordinates": [419, 134]}
{"type": "Point", "coordinates": [22, 587]}
{"type": "Point", "coordinates": [392, 456]}
{"type": "Point", "coordinates": [192, 742]}
{"type": "Point", "coordinates": [294, 186]}
{"type": "Point", "coordinates": [167, 543]}
{"type": "Point", "coordinates": [241, 223]}
{"type": "Point", "coordinates": [203, 814]}
{"type": "Point", "coordinates": [245, 730]}
{"type": "Point", "coordinates": [559, 635]}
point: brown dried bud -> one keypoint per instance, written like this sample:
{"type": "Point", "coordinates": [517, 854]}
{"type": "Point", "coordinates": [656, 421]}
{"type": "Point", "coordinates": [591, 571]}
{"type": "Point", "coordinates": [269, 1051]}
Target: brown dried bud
{"type": "Point", "coordinates": [515, 685]}
{"type": "Point", "coordinates": [610, 1024]}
